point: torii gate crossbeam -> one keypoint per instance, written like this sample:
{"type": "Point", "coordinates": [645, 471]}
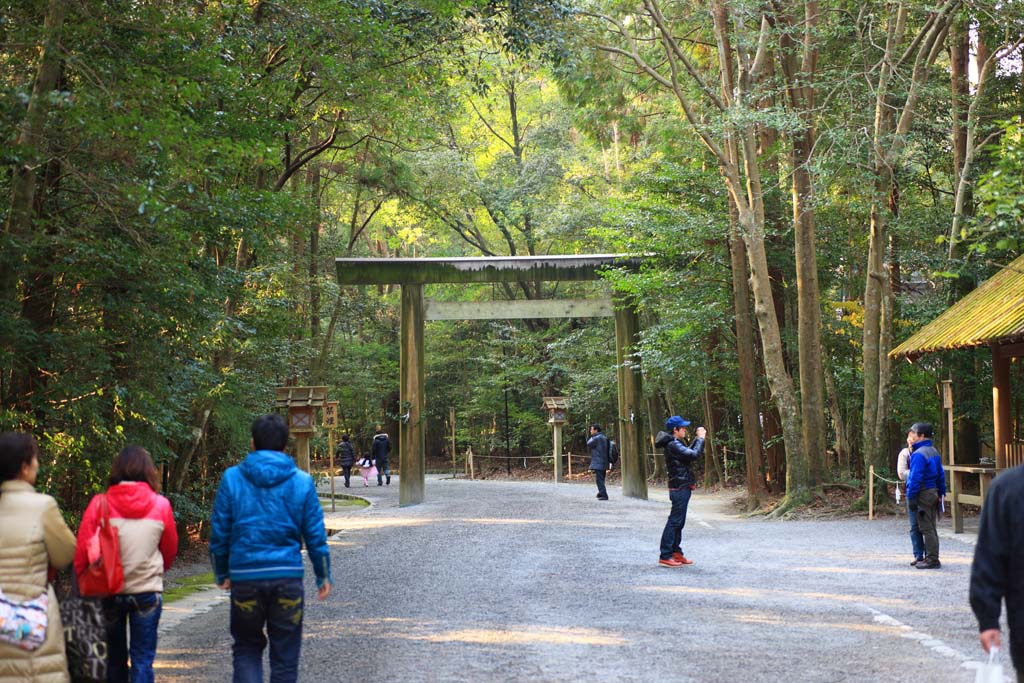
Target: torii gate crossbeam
{"type": "Point", "coordinates": [413, 273]}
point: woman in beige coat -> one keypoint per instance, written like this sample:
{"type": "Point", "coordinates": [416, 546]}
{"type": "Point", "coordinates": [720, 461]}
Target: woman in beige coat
{"type": "Point", "coordinates": [33, 538]}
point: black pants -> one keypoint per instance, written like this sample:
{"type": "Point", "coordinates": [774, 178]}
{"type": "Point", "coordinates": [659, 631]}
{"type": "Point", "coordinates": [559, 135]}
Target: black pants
{"type": "Point", "coordinates": [927, 521]}
{"type": "Point", "coordinates": [599, 475]}
{"type": "Point", "coordinates": [672, 535]}
{"type": "Point", "coordinates": [347, 471]}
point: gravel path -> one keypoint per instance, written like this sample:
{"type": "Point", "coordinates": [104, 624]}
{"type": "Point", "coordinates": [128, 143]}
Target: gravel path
{"type": "Point", "coordinates": [525, 581]}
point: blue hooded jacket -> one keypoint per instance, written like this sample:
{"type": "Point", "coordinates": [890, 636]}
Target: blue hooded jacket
{"type": "Point", "coordinates": [926, 470]}
{"type": "Point", "coordinates": [264, 510]}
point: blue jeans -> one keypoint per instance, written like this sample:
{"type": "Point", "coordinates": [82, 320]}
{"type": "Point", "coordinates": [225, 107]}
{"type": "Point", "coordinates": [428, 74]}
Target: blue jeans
{"type": "Point", "coordinates": [277, 605]}
{"type": "Point", "coordinates": [138, 613]}
{"type": "Point", "coordinates": [599, 475]}
{"type": "Point", "coordinates": [916, 539]}
{"type": "Point", "coordinates": [673, 533]}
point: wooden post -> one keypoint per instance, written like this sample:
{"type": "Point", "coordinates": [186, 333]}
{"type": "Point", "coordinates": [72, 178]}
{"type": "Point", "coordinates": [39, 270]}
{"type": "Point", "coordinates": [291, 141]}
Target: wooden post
{"type": "Point", "coordinates": [1001, 424]}
{"type": "Point", "coordinates": [469, 460]}
{"type": "Point", "coordinates": [947, 411]}
{"type": "Point", "coordinates": [631, 401]}
{"type": "Point", "coordinates": [871, 492]}
{"type": "Point", "coordinates": [330, 450]}
{"type": "Point", "coordinates": [452, 413]}
{"type": "Point", "coordinates": [411, 429]}
{"type": "Point", "coordinates": [302, 451]}
{"type": "Point", "coordinates": [556, 437]}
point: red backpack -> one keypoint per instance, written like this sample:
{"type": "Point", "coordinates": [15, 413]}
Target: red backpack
{"type": "Point", "coordinates": [104, 574]}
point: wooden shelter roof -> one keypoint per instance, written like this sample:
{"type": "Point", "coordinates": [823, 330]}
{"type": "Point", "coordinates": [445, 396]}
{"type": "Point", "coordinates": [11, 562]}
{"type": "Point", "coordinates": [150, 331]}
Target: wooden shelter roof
{"type": "Point", "coordinates": [994, 312]}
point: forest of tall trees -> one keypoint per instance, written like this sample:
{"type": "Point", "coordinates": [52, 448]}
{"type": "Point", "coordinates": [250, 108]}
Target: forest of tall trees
{"type": "Point", "coordinates": [810, 181]}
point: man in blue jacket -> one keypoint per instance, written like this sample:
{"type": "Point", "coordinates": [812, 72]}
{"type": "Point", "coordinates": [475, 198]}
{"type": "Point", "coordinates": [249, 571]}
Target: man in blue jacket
{"type": "Point", "coordinates": [681, 483]}
{"type": "Point", "coordinates": [264, 510]}
{"type": "Point", "coordinates": [926, 484]}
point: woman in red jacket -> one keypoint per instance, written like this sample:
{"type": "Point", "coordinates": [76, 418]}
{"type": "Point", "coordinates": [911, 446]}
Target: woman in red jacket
{"type": "Point", "coordinates": [149, 542]}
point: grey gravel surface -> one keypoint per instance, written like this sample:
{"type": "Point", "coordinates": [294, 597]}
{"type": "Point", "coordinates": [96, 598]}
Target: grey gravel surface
{"type": "Point", "coordinates": [526, 581]}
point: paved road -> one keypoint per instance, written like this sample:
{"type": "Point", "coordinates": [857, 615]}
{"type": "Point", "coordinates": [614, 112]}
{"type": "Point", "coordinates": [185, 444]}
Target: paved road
{"type": "Point", "coordinates": [522, 581]}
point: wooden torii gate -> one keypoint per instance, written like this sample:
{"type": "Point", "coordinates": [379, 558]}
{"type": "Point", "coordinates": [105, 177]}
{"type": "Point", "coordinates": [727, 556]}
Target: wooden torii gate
{"type": "Point", "coordinates": [413, 273]}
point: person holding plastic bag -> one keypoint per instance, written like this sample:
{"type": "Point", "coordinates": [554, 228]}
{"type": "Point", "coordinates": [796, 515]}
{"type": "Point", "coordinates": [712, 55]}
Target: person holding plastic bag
{"type": "Point", "coordinates": [33, 538]}
{"type": "Point", "coordinates": [149, 543]}
{"type": "Point", "coordinates": [997, 573]}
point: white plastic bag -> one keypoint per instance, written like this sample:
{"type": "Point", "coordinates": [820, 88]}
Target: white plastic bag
{"type": "Point", "coordinates": [991, 671]}
{"type": "Point", "coordinates": [897, 494]}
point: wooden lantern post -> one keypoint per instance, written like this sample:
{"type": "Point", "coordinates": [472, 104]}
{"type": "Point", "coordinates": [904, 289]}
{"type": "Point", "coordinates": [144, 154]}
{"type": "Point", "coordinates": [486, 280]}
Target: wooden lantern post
{"type": "Point", "coordinates": [557, 407]}
{"type": "Point", "coordinates": [301, 403]}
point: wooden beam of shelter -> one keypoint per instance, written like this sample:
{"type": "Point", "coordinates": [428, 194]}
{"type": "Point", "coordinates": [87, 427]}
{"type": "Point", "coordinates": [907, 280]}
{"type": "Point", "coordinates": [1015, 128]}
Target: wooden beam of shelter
{"type": "Point", "coordinates": [399, 271]}
{"type": "Point", "coordinates": [518, 309]}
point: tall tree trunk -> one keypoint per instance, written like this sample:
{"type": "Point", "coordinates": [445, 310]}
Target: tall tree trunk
{"type": "Point", "coordinates": [894, 114]}
{"type": "Point", "coordinates": [799, 65]}
{"type": "Point", "coordinates": [872, 349]}
{"type": "Point", "coordinates": [747, 361]}
{"type": "Point", "coordinates": [812, 390]}
{"type": "Point", "coordinates": [33, 149]}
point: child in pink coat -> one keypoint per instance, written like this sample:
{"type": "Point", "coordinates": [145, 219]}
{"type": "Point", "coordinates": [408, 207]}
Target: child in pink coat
{"type": "Point", "coordinates": [369, 469]}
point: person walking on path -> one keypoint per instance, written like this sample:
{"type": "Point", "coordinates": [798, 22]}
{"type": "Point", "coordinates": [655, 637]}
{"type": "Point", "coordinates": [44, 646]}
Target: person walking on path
{"type": "Point", "coordinates": [998, 569]}
{"type": "Point", "coordinates": [149, 543]}
{"type": "Point", "coordinates": [265, 510]}
{"type": "Point", "coordinates": [681, 483]}
{"type": "Point", "coordinates": [924, 482]}
{"type": "Point", "coordinates": [903, 469]}
{"type": "Point", "coordinates": [346, 455]}
{"type": "Point", "coordinates": [379, 451]}
{"type": "Point", "coordinates": [367, 469]}
{"type": "Point", "coordinates": [33, 538]}
{"type": "Point", "coordinates": [598, 445]}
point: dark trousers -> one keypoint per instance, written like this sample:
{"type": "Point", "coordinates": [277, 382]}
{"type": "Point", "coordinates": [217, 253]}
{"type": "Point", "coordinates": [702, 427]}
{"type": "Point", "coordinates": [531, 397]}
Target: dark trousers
{"type": "Point", "coordinates": [673, 533]}
{"type": "Point", "coordinates": [277, 605]}
{"type": "Point", "coordinates": [927, 521]}
{"type": "Point", "coordinates": [346, 470]}
{"type": "Point", "coordinates": [916, 540]}
{"type": "Point", "coordinates": [383, 471]}
{"type": "Point", "coordinates": [138, 613]}
{"type": "Point", "coordinates": [599, 476]}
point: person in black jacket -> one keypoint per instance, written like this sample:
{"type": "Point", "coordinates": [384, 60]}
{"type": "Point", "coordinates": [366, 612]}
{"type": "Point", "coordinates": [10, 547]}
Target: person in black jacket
{"type": "Point", "coordinates": [998, 568]}
{"type": "Point", "coordinates": [346, 455]}
{"type": "Point", "coordinates": [681, 483]}
{"type": "Point", "coordinates": [379, 451]}
{"type": "Point", "coordinates": [598, 445]}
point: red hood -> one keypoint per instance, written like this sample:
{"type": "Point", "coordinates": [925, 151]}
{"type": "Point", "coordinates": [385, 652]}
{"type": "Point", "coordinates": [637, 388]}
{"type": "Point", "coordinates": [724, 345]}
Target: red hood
{"type": "Point", "coordinates": [131, 499]}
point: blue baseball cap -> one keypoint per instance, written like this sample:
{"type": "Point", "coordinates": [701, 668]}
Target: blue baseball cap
{"type": "Point", "coordinates": [675, 422]}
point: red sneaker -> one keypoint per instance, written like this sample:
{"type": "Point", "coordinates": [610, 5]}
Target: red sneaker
{"type": "Point", "coordinates": [681, 559]}
{"type": "Point", "coordinates": [670, 562]}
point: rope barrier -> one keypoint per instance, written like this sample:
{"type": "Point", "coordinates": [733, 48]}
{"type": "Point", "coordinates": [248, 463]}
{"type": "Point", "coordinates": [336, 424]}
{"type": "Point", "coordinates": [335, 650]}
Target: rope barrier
{"type": "Point", "coordinates": [889, 481]}
{"type": "Point", "coordinates": [527, 457]}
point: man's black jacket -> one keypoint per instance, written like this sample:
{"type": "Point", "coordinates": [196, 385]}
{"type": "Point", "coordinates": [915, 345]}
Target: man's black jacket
{"type": "Point", "coordinates": [678, 457]}
{"type": "Point", "coordinates": [998, 569]}
{"type": "Point", "coordinates": [379, 450]}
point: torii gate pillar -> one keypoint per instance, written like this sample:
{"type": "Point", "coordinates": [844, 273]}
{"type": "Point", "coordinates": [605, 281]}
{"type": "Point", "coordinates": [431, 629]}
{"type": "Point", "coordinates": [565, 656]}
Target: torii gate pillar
{"type": "Point", "coordinates": [411, 426]}
{"type": "Point", "coordinates": [631, 400]}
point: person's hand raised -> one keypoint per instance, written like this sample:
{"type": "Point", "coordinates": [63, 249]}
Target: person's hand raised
{"type": "Point", "coordinates": [701, 432]}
